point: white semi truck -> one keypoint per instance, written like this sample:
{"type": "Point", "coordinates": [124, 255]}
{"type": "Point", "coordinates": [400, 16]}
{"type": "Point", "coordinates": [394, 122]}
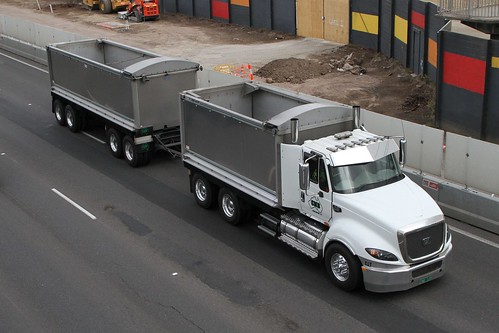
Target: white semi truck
{"type": "Point", "coordinates": [318, 181]}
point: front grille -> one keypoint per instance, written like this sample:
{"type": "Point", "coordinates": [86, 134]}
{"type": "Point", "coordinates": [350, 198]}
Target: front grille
{"type": "Point", "coordinates": [427, 269]}
{"type": "Point", "coordinates": [422, 243]}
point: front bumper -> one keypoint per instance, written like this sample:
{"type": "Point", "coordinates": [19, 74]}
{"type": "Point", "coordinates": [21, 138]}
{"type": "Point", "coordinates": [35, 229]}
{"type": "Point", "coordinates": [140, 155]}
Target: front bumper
{"type": "Point", "coordinates": [383, 280]}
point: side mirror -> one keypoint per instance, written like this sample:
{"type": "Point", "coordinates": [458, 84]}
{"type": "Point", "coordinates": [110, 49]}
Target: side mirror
{"type": "Point", "coordinates": [403, 151]}
{"type": "Point", "coordinates": [304, 176]}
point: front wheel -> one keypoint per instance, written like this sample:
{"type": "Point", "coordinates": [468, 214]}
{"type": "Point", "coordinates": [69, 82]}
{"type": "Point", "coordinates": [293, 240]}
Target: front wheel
{"type": "Point", "coordinates": [105, 6]}
{"type": "Point", "coordinates": [343, 267]}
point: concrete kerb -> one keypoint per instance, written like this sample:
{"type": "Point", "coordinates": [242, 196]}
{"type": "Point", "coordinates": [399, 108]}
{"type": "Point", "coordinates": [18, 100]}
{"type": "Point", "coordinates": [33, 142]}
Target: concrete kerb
{"type": "Point", "coordinates": [468, 205]}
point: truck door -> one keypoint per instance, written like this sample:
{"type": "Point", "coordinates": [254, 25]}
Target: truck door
{"type": "Point", "coordinates": [316, 201]}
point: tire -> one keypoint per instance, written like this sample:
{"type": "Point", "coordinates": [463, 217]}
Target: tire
{"type": "Point", "coordinates": [115, 142]}
{"type": "Point", "coordinates": [138, 15]}
{"type": "Point", "coordinates": [202, 190]}
{"type": "Point", "coordinates": [230, 207]}
{"type": "Point", "coordinates": [59, 112]}
{"type": "Point", "coordinates": [105, 6]}
{"type": "Point", "coordinates": [73, 119]}
{"type": "Point", "coordinates": [343, 267]}
{"type": "Point", "coordinates": [130, 153]}
{"type": "Point", "coordinates": [147, 157]}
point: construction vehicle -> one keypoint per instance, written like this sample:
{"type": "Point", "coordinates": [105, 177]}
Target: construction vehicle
{"type": "Point", "coordinates": [142, 10]}
{"type": "Point", "coordinates": [316, 180]}
{"type": "Point", "coordinates": [107, 6]}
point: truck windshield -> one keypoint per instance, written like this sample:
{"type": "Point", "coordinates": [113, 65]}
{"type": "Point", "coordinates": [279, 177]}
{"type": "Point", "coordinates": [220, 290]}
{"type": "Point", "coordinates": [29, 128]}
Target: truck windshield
{"type": "Point", "coordinates": [366, 176]}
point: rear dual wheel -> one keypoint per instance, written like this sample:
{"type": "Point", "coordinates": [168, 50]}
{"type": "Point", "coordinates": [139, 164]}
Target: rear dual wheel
{"type": "Point", "coordinates": [132, 155]}
{"type": "Point", "coordinates": [75, 118]}
{"type": "Point", "coordinates": [230, 207]}
{"type": "Point", "coordinates": [58, 108]}
{"type": "Point", "coordinates": [115, 142]}
{"type": "Point", "coordinates": [202, 190]}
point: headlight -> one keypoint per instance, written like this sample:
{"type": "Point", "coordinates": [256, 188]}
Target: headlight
{"type": "Point", "coordinates": [381, 254]}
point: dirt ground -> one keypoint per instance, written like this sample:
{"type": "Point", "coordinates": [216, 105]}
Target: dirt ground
{"type": "Point", "coordinates": [348, 74]}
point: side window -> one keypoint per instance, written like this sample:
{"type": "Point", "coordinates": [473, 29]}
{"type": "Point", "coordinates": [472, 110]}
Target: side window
{"type": "Point", "coordinates": [313, 169]}
{"type": "Point", "coordinates": [318, 174]}
{"type": "Point", "coordinates": [323, 183]}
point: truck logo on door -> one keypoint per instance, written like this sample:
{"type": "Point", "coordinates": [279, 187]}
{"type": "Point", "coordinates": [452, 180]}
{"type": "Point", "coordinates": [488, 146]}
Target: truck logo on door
{"type": "Point", "coordinates": [315, 205]}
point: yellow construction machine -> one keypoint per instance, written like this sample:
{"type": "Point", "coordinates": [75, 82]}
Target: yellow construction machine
{"type": "Point", "coordinates": [107, 6]}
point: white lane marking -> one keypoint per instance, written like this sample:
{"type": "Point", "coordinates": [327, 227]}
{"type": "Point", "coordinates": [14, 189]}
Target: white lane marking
{"type": "Point", "coordinates": [475, 237]}
{"type": "Point", "coordinates": [24, 63]}
{"type": "Point", "coordinates": [83, 210]}
{"type": "Point", "coordinates": [93, 137]}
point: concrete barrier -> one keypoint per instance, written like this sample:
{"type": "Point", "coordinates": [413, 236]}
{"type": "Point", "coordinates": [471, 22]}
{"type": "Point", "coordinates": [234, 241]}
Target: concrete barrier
{"type": "Point", "coordinates": [458, 172]}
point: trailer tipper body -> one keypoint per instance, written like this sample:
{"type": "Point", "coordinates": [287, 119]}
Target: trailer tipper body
{"type": "Point", "coordinates": [136, 92]}
{"type": "Point", "coordinates": [319, 183]}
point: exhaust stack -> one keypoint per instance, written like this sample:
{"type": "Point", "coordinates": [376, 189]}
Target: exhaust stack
{"type": "Point", "coordinates": [294, 130]}
{"type": "Point", "coordinates": [356, 116]}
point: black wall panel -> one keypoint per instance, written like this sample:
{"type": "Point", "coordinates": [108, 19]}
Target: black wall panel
{"type": "Point", "coordinates": [491, 117]}
{"type": "Point", "coordinates": [202, 8]}
{"type": "Point", "coordinates": [185, 7]}
{"type": "Point", "coordinates": [168, 6]}
{"type": "Point", "coordinates": [386, 27]}
{"type": "Point", "coordinates": [261, 14]}
{"type": "Point", "coordinates": [461, 111]}
{"type": "Point", "coordinates": [284, 16]}
{"type": "Point", "coordinates": [240, 15]}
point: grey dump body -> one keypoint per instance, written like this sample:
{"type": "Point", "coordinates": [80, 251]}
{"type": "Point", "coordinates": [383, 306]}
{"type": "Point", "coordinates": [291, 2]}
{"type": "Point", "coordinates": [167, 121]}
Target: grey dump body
{"type": "Point", "coordinates": [233, 132]}
{"type": "Point", "coordinates": [130, 87]}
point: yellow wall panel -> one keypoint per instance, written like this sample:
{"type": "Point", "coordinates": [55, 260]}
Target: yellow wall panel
{"type": "Point", "coordinates": [401, 29]}
{"type": "Point", "coordinates": [495, 62]}
{"type": "Point", "coordinates": [365, 23]}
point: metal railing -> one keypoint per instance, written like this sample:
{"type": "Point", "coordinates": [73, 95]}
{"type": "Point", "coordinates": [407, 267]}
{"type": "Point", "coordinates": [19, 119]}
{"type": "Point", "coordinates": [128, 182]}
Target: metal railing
{"type": "Point", "coordinates": [486, 10]}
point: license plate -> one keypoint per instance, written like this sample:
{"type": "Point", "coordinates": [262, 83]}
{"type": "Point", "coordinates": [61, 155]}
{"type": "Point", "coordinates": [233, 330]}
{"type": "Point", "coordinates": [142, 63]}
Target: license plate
{"type": "Point", "coordinates": [425, 279]}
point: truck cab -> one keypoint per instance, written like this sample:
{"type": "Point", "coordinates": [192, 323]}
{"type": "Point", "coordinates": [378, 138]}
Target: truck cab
{"type": "Point", "coordinates": [382, 230]}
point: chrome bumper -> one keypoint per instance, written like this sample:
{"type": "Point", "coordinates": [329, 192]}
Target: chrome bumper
{"type": "Point", "coordinates": [382, 280]}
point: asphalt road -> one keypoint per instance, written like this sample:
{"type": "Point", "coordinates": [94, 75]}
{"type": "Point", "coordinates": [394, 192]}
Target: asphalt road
{"type": "Point", "coordinates": [89, 244]}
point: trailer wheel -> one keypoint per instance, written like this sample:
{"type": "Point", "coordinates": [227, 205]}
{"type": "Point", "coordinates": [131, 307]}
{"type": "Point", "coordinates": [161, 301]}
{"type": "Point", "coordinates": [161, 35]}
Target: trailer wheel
{"type": "Point", "coordinates": [105, 6]}
{"type": "Point", "coordinates": [115, 142]}
{"type": "Point", "coordinates": [202, 190]}
{"type": "Point", "coordinates": [130, 152]}
{"type": "Point", "coordinates": [230, 207]}
{"type": "Point", "coordinates": [73, 119]}
{"type": "Point", "coordinates": [58, 110]}
{"type": "Point", "coordinates": [146, 157]}
{"type": "Point", "coordinates": [343, 267]}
